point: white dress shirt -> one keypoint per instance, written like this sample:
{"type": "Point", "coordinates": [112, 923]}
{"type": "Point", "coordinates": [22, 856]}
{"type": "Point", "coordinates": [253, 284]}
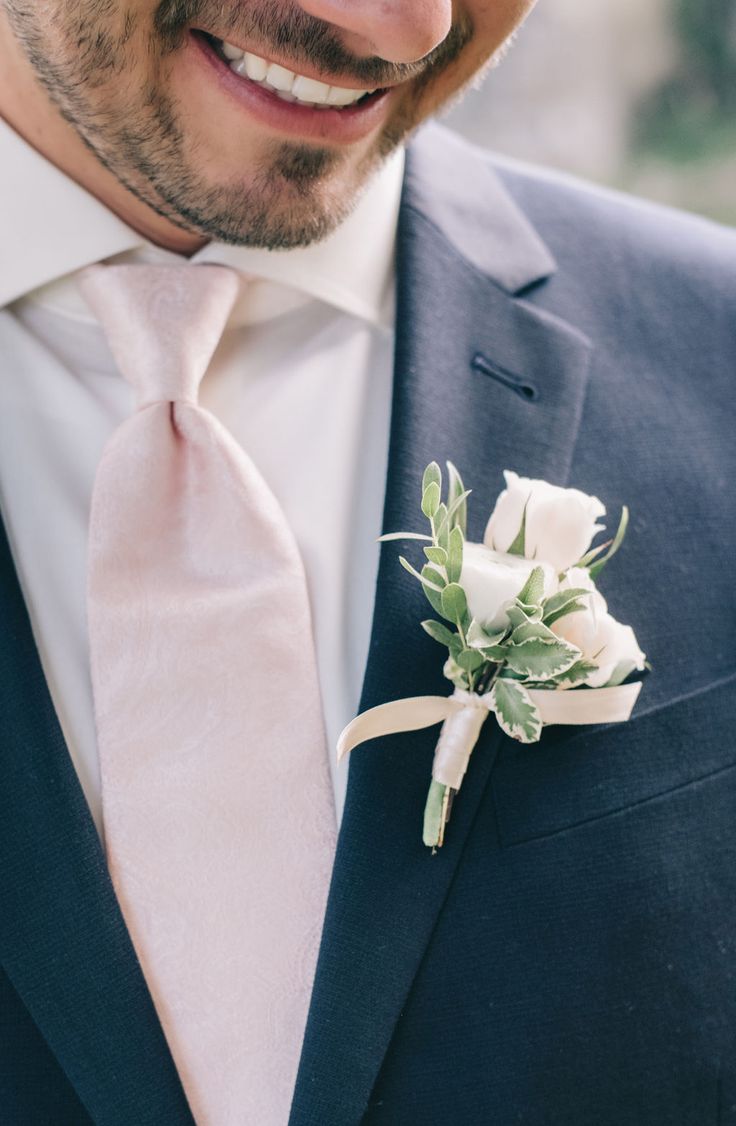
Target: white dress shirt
{"type": "Point", "coordinates": [302, 378]}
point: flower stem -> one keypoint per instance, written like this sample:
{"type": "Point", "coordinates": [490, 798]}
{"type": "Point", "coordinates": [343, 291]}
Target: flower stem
{"type": "Point", "coordinates": [486, 681]}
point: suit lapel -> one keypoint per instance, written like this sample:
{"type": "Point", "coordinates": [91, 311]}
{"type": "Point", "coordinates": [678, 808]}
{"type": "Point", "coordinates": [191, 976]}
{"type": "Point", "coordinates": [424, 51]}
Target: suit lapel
{"type": "Point", "coordinates": [63, 942]}
{"type": "Point", "coordinates": [490, 382]}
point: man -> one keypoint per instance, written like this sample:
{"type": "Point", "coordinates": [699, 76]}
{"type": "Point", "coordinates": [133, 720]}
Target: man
{"type": "Point", "coordinates": [239, 170]}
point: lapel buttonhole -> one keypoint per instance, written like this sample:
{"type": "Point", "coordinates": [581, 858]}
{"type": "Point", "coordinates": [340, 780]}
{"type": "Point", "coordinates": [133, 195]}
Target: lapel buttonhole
{"type": "Point", "coordinates": [523, 387]}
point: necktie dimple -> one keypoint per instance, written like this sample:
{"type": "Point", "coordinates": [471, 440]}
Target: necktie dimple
{"type": "Point", "coordinates": [218, 812]}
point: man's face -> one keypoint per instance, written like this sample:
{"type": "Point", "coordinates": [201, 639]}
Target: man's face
{"type": "Point", "coordinates": [206, 140]}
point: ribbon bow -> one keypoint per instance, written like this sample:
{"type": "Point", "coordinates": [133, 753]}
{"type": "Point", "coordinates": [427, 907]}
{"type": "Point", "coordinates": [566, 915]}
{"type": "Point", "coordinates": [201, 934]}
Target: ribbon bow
{"type": "Point", "coordinates": [462, 716]}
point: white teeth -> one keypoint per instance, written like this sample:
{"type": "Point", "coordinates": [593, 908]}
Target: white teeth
{"type": "Point", "coordinates": [255, 68]}
{"type": "Point", "coordinates": [231, 52]}
{"type": "Point", "coordinates": [308, 90]}
{"type": "Point", "coordinates": [279, 78]}
{"type": "Point", "coordinates": [289, 86]}
{"type": "Point", "coordinates": [250, 66]}
{"type": "Point", "coordinates": [339, 96]}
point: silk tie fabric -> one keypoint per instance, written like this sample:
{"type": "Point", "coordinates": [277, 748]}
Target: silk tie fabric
{"type": "Point", "coordinates": [218, 811]}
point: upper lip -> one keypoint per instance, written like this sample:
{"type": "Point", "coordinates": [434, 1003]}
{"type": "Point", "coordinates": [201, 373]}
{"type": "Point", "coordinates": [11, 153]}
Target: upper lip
{"type": "Point", "coordinates": [298, 68]}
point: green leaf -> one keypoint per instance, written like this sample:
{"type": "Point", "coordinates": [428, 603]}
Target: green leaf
{"type": "Point", "coordinates": [442, 527]}
{"type": "Point", "coordinates": [507, 674]}
{"type": "Point", "coordinates": [569, 608]}
{"type": "Point", "coordinates": [577, 673]}
{"type": "Point", "coordinates": [515, 712]}
{"type": "Point", "coordinates": [595, 569]}
{"type": "Point", "coordinates": [455, 556]}
{"type": "Point", "coordinates": [477, 638]}
{"type": "Point", "coordinates": [431, 580]}
{"type": "Point", "coordinates": [470, 659]}
{"type": "Point", "coordinates": [423, 579]}
{"type": "Point", "coordinates": [457, 506]}
{"type": "Point", "coordinates": [489, 645]}
{"type": "Point", "coordinates": [403, 536]}
{"type": "Point", "coordinates": [434, 814]}
{"type": "Point", "coordinates": [452, 511]}
{"type": "Point", "coordinates": [556, 601]}
{"type": "Point", "coordinates": [454, 603]}
{"type": "Point", "coordinates": [533, 590]}
{"type": "Point", "coordinates": [430, 575]}
{"type": "Point", "coordinates": [541, 660]}
{"type": "Point", "coordinates": [432, 475]}
{"type": "Point", "coordinates": [433, 590]}
{"type": "Point", "coordinates": [518, 547]}
{"type": "Point", "coordinates": [518, 614]}
{"type": "Point", "coordinates": [532, 631]}
{"type": "Point", "coordinates": [441, 633]}
{"type": "Point", "coordinates": [594, 552]}
{"type": "Point", "coordinates": [436, 555]}
{"type": "Point", "coordinates": [431, 500]}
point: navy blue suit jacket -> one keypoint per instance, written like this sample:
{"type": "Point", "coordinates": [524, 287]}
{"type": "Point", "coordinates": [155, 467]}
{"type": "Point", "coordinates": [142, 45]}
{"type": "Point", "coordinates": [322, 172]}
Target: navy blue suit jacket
{"type": "Point", "coordinates": [569, 956]}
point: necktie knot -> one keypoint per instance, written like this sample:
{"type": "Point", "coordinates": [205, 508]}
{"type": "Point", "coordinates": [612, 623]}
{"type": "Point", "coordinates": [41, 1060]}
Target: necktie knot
{"type": "Point", "coordinates": [162, 323]}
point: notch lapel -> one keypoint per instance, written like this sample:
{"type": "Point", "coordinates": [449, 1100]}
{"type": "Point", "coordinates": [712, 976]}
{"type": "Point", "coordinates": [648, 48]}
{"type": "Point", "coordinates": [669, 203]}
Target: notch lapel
{"type": "Point", "coordinates": [490, 382]}
{"type": "Point", "coordinates": [63, 942]}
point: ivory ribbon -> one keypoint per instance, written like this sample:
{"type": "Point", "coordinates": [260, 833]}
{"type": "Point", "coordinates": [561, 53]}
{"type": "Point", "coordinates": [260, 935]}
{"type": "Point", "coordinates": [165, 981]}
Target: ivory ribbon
{"type": "Point", "coordinates": [463, 714]}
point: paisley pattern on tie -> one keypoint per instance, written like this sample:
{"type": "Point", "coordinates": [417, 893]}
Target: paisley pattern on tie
{"type": "Point", "coordinates": [219, 818]}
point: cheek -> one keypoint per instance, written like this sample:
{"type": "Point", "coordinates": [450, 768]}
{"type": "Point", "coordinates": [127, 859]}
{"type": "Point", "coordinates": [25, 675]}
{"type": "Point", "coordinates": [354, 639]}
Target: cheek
{"type": "Point", "coordinates": [493, 21]}
{"type": "Point", "coordinates": [102, 53]}
{"type": "Point", "coordinates": [492, 24]}
{"type": "Point", "coordinates": [498, 17]}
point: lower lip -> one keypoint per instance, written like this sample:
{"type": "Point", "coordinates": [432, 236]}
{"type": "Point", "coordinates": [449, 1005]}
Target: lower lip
{"type": "Point", "coordinates": [340, 126]}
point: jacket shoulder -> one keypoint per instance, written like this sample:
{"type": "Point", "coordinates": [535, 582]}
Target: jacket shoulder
{"type": "Point", "coordinates": [596, 226]}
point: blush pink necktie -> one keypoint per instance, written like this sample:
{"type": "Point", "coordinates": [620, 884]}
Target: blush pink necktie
{"type": "Point", "coordinates": [218, 811]}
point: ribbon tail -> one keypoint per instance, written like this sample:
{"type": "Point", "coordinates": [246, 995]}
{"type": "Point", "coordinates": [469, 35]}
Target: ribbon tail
{"type": "Point", "coordinates": [393, 718]}
{"type": "Point", "coordinates": [586, 705]}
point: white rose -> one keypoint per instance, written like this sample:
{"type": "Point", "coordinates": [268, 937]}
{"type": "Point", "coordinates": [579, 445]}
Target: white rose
{"type": "Point", "coordinates": [491, 581]}
{"type": "Point", "coordinates": [560, 523]}
{"type": "Point", "coordinates": [598, 636]}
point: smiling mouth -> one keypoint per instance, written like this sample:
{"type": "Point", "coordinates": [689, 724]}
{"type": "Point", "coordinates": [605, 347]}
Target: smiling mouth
{"type": "Point", "coordinates": [288, 85]}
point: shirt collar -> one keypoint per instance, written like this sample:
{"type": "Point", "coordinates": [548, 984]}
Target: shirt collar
{"type": "Point", "coordinates": [50, 227]}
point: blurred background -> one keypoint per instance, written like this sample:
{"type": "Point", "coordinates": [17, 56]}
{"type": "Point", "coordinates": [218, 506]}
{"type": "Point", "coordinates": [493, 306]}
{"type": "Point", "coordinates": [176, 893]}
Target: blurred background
{"type": "Point", "coordinates": [637, 94]}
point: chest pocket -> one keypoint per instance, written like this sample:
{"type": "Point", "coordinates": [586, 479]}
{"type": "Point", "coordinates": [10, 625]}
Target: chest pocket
{"type": "Point", "coordinates": [575, 776]}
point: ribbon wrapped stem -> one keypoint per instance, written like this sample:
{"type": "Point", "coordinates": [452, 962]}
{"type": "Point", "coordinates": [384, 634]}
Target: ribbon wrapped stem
{"type": "Point", "coordinates": [455, 745]}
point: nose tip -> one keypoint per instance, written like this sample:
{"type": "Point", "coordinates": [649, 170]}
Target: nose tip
{"type": "Point", "coordinates": [399, 31]}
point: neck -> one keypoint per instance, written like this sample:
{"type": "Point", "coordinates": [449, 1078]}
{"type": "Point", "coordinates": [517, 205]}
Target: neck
{"type": "Point", "coordinates": [26, 107]}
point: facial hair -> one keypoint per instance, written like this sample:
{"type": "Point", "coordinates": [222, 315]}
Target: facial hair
{"type": "Point", "coordinates": [92, 46]}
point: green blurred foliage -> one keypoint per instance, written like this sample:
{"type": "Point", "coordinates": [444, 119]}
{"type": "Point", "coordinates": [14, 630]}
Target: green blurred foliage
{"type": "Point", "coordinates": [691, 116]}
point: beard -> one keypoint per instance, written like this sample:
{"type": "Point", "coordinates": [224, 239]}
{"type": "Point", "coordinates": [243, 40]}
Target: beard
{"type": "Point", "coordinates": [87, 55]}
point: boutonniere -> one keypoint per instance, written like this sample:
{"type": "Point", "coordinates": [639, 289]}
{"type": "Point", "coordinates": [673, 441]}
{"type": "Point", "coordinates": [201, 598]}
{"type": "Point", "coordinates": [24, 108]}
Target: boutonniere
{"type": "Point", "coordinates": [528, 634]}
